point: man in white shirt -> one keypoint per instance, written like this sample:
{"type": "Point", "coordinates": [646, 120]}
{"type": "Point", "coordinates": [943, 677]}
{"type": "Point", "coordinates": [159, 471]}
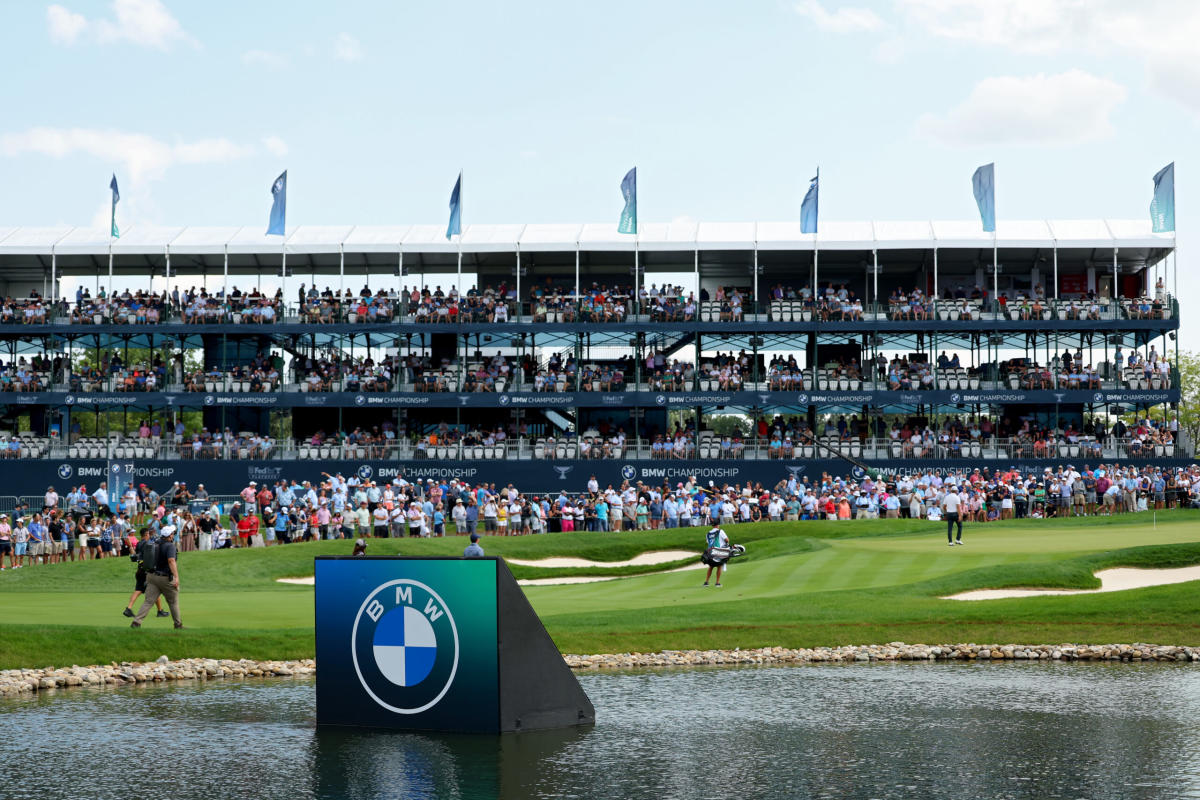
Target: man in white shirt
{"type": "Point", "coordinates": [951, 503]}
{"type": "Point", "coordinates": [101, 498]}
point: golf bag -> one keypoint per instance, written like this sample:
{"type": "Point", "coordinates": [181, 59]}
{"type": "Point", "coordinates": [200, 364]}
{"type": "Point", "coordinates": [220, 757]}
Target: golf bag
{"type": "Point", "coordinates": [717, 556]}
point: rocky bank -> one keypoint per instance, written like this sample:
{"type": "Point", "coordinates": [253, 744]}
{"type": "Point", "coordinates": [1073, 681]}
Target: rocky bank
{"type": "Point", "coordinates": [29, 681]}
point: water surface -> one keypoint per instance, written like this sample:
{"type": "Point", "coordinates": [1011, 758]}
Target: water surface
{"type": "Point", "coordinates": [848, 731]}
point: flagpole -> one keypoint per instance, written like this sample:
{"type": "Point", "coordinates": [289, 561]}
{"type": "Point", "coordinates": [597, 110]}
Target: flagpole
{"type": "Point", "coordinates": [995, 277]}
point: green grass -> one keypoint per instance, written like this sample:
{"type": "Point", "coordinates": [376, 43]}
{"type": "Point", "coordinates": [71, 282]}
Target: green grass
{"type": "Point", "coordinates": [800, 584]}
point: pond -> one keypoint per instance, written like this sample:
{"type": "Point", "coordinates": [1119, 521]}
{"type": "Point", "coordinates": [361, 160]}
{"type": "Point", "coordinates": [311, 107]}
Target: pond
{"type": "Point", "coordinates": [883, 730]}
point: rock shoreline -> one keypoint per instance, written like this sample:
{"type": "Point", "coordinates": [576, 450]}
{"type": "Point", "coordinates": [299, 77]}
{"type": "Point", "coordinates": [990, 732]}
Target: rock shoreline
{"type": "Point", "coordinates": [895, 651]}
{"type": "Point", "coordinates": [30, 681]}
{"type": "Point", "coordinates": [15, 682]}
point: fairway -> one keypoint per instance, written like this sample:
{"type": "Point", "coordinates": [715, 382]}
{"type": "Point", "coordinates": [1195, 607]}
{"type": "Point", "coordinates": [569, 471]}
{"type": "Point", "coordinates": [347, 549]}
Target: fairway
{"type": "Point", "coordinates": [800, 584]}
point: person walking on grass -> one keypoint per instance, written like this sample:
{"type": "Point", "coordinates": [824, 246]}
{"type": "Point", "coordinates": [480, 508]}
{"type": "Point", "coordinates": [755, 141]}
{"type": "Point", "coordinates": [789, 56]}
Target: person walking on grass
{"type": "Point", "coordinates": [162, 579]}
{"type": "Point", "coordinates": [716, 537]}
{"type": "Point", "coordinates": [139, 578]}
{"type": "Point", "coordinates": [951, 506]}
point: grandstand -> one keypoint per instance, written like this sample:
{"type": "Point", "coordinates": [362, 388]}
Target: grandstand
{"type": "Point", "coordinates": [542, 354]}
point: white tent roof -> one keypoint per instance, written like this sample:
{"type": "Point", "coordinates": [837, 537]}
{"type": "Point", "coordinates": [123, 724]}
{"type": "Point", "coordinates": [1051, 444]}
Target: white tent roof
{"type": "Point", "coordinates": [679, 235]}
{"type": "Point", "coordinates": [376, 238]}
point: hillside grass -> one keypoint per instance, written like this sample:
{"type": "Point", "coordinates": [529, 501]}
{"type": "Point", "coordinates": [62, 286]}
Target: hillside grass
{"type": "Point", "coordinates": [800, 584]}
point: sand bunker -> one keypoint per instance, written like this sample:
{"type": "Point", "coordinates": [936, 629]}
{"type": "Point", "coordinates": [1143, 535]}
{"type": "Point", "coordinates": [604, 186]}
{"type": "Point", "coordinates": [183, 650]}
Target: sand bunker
{"type": "Point", "coordinates": [640, 560]}
{"type": "Point", "coordinates": [600, 578]}
{"type": "Point", "coordinates": [1111, 580]}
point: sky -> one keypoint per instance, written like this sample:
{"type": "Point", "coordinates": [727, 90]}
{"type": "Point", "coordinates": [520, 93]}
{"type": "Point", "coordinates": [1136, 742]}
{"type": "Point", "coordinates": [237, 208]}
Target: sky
{"type": "Point", "coordinates": [726, 109]}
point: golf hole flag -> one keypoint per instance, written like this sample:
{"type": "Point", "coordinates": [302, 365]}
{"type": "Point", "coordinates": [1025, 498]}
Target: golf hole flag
{"type": "Point", "coordinates": [1162, 207]}
{"type": "Point", "coordinates": [628, 223]}
{"type": "Point", "coordinates": [444, 644]}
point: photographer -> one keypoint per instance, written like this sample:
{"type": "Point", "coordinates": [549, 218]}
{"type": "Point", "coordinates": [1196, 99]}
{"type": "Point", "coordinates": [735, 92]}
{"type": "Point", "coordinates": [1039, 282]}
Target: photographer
{"type": "Point", "coordinates": [163, 579]}
{"type": "Point", "coordinates": [139, 578]}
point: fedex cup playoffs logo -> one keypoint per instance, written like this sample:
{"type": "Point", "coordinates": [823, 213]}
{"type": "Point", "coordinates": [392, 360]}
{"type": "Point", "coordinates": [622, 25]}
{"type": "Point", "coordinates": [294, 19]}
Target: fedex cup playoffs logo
{"type": "Point", "coordinates": [405, 646]}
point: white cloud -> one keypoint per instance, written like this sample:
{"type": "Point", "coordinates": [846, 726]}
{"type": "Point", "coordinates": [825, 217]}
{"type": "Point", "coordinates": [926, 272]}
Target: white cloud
{"type": "Point", "coordinates": [1068, 108]}
{"type": "Point", "coordinates": [146, 23]}
{"type": "Point", "coordinates": [843, 20]}
{"type": "Point", "coordinates": [65, 25]}
{"type": "Point", "coordinates": [265, 58]}
{"type": "Point", "coordinates": [275, 146]}
{"type": "Point", "coordinates": [141, 157]}
{"type": "Point", "coordinates": [1161, 34]}
{"type": "Point", "coordinates": [347, 48]}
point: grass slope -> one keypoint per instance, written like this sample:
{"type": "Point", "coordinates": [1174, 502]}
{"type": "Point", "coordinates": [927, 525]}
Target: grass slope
{"type": "Point", "coordinates": [800, 584]}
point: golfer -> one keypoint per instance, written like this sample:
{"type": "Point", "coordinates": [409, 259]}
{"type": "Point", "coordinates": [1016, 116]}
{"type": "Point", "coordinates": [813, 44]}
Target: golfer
{"type": "Point", "coordinates": [716, 537]}
{"type": "Point", "coordinates": [951, 502]}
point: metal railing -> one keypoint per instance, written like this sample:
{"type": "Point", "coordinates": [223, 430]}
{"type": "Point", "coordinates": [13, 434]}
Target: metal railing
{"type": "Point", "coordinates": [620, 308]}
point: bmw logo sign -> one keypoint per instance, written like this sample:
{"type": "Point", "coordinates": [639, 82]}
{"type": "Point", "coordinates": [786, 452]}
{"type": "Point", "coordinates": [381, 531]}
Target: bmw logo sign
{"type": "Point", "coordinates": [69, 399]}
{"type": "Point", "coordinates": [360, 400]}
{"type": "Point", "coordinates": [858, 473]}
{"type": "Point", "coordinates": [629, 472]}
{"type": "Point", "coordinates": [65, 471]}
{"type": "Point", "coordinates": [365, 471]}
{"type": "Point", "coordinates": [405, 646]}
{"type": "Point", "coordinates": [209, 400]}
{"type": "Point", "coordinates": [1098, 397]}
{"type": "Point", "coordinates": [505, 399]}
{"type": "Point", "coordinates": [661, 400]}
{"type": "Point", "coordinates": [955, 398]}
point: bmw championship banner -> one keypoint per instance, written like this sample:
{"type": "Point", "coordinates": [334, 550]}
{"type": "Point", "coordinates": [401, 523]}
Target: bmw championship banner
{"type": "Point", "coordinates": [120, 478]}
{"type": "Point", "coordinates": [408, 643]}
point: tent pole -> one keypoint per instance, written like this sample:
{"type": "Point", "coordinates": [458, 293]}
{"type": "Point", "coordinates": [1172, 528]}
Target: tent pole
{"type": "Point", "coordinates": [995, 277]}
{"type": "Point", "coordinates": [225, 285]}
{"type": "Point", "coordinates": [1056, 270]}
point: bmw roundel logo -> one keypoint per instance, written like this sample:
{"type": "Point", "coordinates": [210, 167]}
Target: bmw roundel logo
{"type": "Point", "coordinates": [360, 400]}
{"type": "Point", "coordinates": [504, 399]}
{"type": "Point", "coordinates": [65, 471]}
{"type": "Point", "coordinates": [802, 399]}
{"type": "Point", "coordinates": [69, 399]}
{"type": "Point", "coordinates": [858, 473]}
{"type": "Point", "coordinates": [365, 471]}
{"type": "Point", "coordinates": [405, 646]}
{"type": "Point", "coordinates": [955, 398]}
{"type": "Point", "coordinates": [629, 472]}
{"type": "Point", "coordinates": [1098, 397]}
{"type": "Point", "coordinates": [209, 400]}
{"type": "Point", "coordinates": [661, 400]}
{"type": "Point", "coordinates": [115, 469]}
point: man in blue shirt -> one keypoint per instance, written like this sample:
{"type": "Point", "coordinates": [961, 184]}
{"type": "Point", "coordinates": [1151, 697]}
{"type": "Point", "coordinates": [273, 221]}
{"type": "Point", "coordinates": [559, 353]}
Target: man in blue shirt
{"type": "Point", "coordinates": [473, 550]}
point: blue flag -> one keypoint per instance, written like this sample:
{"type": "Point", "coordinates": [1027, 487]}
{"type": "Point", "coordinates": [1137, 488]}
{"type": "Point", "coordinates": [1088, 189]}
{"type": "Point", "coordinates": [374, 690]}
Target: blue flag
{"type": "Point", "coordinates": [628, 223]}
{"type": "Point", "coordinates": [808, 209]}
{"type": "Point", "coordinates": [983, 182]}
{"type": "Point", "coordinates": [455, 226]}
{"type": "Point", "coordinates": [116, 199]}
{"type": "Point", "coordinates": [1162, 207]}
{"type": "Point", "coordinates": [278, 206]}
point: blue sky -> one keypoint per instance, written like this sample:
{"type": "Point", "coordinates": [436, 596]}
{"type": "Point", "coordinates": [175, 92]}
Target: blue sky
{"type": "Point", "coordinates": [725, 108]}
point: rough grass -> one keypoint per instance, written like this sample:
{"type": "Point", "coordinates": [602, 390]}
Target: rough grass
{"type": "Point", "coordinates": [800, 584]}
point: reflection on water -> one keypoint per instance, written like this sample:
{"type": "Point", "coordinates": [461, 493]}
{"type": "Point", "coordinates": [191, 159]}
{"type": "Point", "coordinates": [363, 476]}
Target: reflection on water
{"type": "Point", "coordinates": [902, 730]}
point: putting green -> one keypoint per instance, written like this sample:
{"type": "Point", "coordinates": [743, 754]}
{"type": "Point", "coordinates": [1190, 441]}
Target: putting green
{"type": "Point", "coordinates": [800, 584]}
